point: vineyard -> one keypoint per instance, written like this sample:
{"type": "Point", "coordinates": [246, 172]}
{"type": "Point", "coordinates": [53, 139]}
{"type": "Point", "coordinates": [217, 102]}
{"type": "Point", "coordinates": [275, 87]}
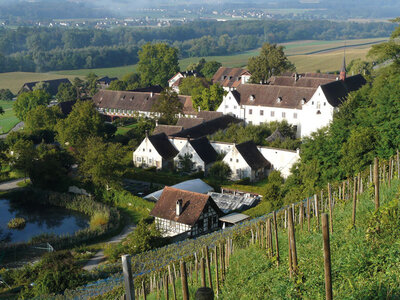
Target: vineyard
{"type": "Point", "coordinates": [282, 248]}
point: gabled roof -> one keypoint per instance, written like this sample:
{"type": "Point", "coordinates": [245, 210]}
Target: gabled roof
{"type": "Point", "coordinates": [209, 115]}
{"type": "Point", "coordinates": [153, 88]}
{"type": "Point", "coordinates": [252, 155]}
{"type": "Point", "coordinates": [185, 74]}
{"type": "Point", "coordinates": [275, 135]}
{"type": "Point", "coordinates": [229, 77]}
{"type": "Point", "coordinates": [106, 80]}
{"type": "Point", "coordinates": [208, 128]}
{"type": "Point", "coordinates": [136, 101]}
{"type": "Point", "coordinates": [204, 149]}
{"type": "Point", "coordinates": [167, 129]}
{"type": "Point", "coordinates": [189, 122]}
{"type": "Point", "coordinates": [336, 92]}
{"type": "Point", "coordinates": [193, 205]}
{"type": "Point", "coordinates": [274, 96]}
{"type": "Point", "coordinates": [194, 185]}
{"type": "Point", "coordinates": [66, 107]}
{"type": "Point", "coordinates": [312, 82]}
{"type": "Point", "coordinates": [163, 146]}
{"type": "Point", "coordinates": [52, 85]}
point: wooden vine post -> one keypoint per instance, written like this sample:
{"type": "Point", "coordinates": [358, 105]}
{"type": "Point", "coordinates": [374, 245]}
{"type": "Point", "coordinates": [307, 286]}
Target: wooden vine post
{"type": "Point", "coordinates": [128, 280]}
{"type": "Point", "coordinates": [216, 270]}
{"type": "Point", "coordinates": [327, 257]}
{"type": "Point", "coordinates": [316, 209]}
{"type": "Point", "coordinates": [308, 214]}
{"type": "Point", "coordinates": [172, 279]}
{"type": "Point", "coordinates": [301, 216]}
{"type": "Point", "coordinates": [292, 240]}
{"type": "Point", "coordinates": [203, 272]}
{"type": "Point", "coordinates": [166, 292]}
{"type": "Point", "coordinates": [390, 172]}
{"type": "Point", "coordinates": [376, 182]}
{"type": "Point", "coordinates": [354, 202]}
{"type": "Point", "coordinates": [330, 208]}
{"type": "Point", "coordinates": [185, 288]}
{"type": "Point", "coordinates": [208, 267]}
{"type": "Point", "coordinates": [276, 238]}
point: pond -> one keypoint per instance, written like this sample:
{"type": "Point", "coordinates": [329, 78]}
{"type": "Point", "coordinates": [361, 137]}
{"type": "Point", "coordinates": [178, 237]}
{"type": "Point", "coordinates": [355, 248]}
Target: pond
{"type": "Point", "coordinates": [39, 219]}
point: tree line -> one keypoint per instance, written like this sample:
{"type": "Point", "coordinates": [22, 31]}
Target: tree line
{"type": "Point", "coordinates": [46, 49]}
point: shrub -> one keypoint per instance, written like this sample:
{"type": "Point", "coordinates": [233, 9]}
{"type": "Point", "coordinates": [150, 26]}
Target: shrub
{"type": "Point", "coordinates": [99, 219]}
{"type": "Point", "coordinates": [220, 171]}
{"type": "Point", "coordinates": [16, 223]}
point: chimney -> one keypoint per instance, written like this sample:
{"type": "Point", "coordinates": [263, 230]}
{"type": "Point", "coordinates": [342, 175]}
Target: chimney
{"type": "Point", "coordinates": [151, 94]}
{"type": "Point", "coordinates": [296, 77]}
{"type": "Point", "coordinates": [147, 133]}
{"type": "Point", "coordinates": [179, 207]}
{"type": "Point", "coordinates": [156, 122]}
{"type": "Point", "coordinates": [198, 108]}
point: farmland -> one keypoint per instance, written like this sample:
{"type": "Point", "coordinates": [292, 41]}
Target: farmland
{"type": "Point", "coordinates": [308, 56]}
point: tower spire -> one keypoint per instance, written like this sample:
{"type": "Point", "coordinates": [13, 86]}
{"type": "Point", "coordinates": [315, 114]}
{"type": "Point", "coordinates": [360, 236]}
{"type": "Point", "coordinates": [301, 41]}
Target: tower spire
{"type": "Point", "coordinates": [343, 70]}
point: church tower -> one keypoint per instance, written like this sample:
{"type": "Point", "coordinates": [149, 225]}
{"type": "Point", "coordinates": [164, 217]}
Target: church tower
{"type": "Point", "coordinates": [343, 70]}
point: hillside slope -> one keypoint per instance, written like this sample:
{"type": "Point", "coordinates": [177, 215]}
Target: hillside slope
{"type": "Point", "coordinates": [365, 261]}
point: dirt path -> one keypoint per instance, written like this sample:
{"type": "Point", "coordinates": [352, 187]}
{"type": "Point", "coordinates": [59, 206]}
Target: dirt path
{"type": "Point", "coordinates": [15, 128]}
{"type": "Point", "coordinates": [12, 184]}
{"type": "Point", "coordinates": [99, 257]}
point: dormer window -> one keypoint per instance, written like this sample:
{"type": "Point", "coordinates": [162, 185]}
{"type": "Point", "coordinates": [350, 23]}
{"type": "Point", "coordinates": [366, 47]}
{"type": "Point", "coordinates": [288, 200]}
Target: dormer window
{"type": "Point", "coordinates": [252, 97]}
{"type": "Point", "coordinates": [279, 100]}
{"type": "Point", "coordinates": [123, 97]}
{"type": "Point", "coordinates": [303, 101]}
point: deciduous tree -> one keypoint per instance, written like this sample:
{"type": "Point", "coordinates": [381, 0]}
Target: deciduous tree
{"type": "Point", "coordinates": [28, 101]}
{"type": "Point", "coordinates": [168, 106]}
{"type": "Point", "coordinates": [271, 61]}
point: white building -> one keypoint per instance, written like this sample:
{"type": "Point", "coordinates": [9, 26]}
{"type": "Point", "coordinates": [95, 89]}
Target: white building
{"type": "Point", "coordinates": [245, 160]}
{"type": "Point", "coordinates": [281, 159]}
{"type": "Point", "coordinates": [231, 78]}
{"type": "Point", "coordinates": [187, 213]}
{"type": "Point", "coordinates": [155, 151]}
{"type": "Point", "coordinates": [308, 108]}
{"type": "Point", "coordinates": [125, 104]}
{"type": "Point", "coordinates": [201, 153]}
{"type": "Point", "coordinates": [176, 80]}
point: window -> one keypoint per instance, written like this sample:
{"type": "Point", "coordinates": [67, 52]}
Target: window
{"type": "Point", "coordinates": [250, 111]}
{"type": "Point", "coordinates": [261, 112]}
{"type": "Point", "coordinates": [144, 150]}
{"type": "Point", "coordinates": [294, 115]}
{"type": "Point", "coordinates": [139, 159]}
{"type": "Point", "coordinates": [231, 159]}
{"type": "Point", "coordinates": [235, 107]}
{"type": "Point", "coordinates": [237, 160]}
{"type": "Point", "coordinates": [324, 103]}
{"type": "Point", "coordinates": [149, 150]}
{"type": "Point", "coordinates": [150, 160]}
{"type": "Point", "coordinates": [312, 103]}
{"type": "Point", "coordinates": [318, 105]}
{"type": "Point", "coordinates": [226, 106]}
{"type": "Point", "coordinates": [283, 114]}
{"type": "Point", "coordinates": [272, 114]}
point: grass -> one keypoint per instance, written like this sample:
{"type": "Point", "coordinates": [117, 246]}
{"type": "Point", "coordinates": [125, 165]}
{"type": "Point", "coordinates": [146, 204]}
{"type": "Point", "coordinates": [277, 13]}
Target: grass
{"type": "Point", "coordinates": [15, 80]}
{"type": "Point", "coordinates": [7, 120]}
{"type": "Point", "coordinates": [364, 259]}
{"type": "Point", "coordinates": [125, 129]}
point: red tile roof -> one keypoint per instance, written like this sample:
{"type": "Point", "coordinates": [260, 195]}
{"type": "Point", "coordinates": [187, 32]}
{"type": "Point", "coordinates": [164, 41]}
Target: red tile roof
{"type": "Point", "coordinates": [193, 205]}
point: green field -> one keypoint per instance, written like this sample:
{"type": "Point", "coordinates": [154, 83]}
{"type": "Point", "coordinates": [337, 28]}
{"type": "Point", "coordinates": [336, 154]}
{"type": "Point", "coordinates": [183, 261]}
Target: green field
{"type": "Point", "coordinates": [125, 129]}
{"type": "Point", "coordinates": [7, 120]}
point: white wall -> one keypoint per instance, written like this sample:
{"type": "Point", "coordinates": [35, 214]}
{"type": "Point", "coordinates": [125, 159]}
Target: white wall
{"type": "Point", "coordinates": [229, 105]}
{"type": "Point", "coordinates": [199, 164]}
{"type": "Point", "coordinates": [147, 155]}
{"type": "Point", "coordinates": [222, 147]}
{"type": "Point", "coordinates": [312, 120]}
{"type": "Point", "coordinates": [179, 143]}
{"type": "Point", "coordinates": [240, 168]}
{"type": "Point", "coordinates": [281, 160]}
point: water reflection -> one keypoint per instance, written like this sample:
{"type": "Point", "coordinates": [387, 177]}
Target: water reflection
{"type": "Point", "coordinates": [39, 220]}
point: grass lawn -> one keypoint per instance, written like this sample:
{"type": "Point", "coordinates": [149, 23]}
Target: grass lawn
{"type": "Point", "coordinates": [7, 120]}
{"type": "Point", "coordinates": [125, 129]}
